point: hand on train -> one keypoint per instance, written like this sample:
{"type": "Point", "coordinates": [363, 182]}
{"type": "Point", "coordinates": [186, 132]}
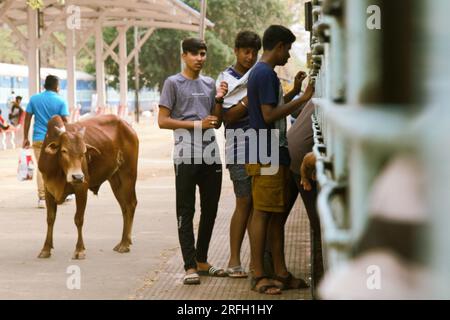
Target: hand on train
{"type": "Point", "coordinates": [309, 91]}
{"type": "Point", "coordinates": [308, 171]}
{"type": "Point", "coordinates": [301, 75]}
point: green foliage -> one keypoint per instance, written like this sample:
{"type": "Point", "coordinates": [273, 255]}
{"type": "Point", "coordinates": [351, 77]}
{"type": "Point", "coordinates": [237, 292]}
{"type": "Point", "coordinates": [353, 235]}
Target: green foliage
{"type": "Point", "coordinates": [9, 52]}
{"type": "Point", "coordinates": [232, 16]}
{"type": "Point", "coordinates": [160, 55]}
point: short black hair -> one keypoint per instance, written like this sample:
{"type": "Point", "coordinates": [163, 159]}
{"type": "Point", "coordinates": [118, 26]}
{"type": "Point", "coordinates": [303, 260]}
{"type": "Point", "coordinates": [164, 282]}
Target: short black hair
{"type": "Point", "coordinates": [51, 82]}
{"type": "Point", "coordinates": [18, 98]}
{"type": "Point", "coordinates": [275, 34]}
{"type": "Point", "coordinates": [193, 45]}
{"type": "Point", "coordinates": [247, 39]}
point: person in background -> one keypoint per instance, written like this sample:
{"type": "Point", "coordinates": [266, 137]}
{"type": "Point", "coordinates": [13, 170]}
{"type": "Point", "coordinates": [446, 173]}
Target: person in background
{"type": "Point", "coordinates": [3, 124]}
{"type": "Point", "coordinates": [16, 111]}
{"type": "Point", "coordinates": [300, 145]}
{"type": "Point", "coordinates": [43, 106]}
{"type": "Point", "coordinates": [10, 99]}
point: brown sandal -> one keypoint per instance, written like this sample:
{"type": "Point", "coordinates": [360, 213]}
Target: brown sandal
{"type": "Point", "coordinates": [263, 289]}
{"type": "Point", "coordinates": [286, 282]}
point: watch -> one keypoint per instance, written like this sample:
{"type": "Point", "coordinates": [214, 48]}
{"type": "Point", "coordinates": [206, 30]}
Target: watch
{"type": "Point", "coordinates": [219, 100]}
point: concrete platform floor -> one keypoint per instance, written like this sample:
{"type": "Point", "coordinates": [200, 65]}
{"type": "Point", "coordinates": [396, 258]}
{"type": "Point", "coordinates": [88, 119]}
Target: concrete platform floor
{"type": "Point", "coordinates": [153, 269]}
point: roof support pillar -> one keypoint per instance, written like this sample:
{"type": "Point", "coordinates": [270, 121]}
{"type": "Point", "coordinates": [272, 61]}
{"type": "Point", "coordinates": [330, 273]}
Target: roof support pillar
{"type": "Point", "coordinates": [100, 66]}
{"type": "Point", "coordinates": [33, 53]}
{"type": "Point", "coordinates": [123, 69]}
{"type": "Point", "coordinates": [202, 19]}
{"type": "Point", "coordinates": [71, 63]}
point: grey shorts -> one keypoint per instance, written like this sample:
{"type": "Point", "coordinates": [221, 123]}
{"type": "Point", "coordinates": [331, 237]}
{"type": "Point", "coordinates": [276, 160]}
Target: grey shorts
{"type": "Point", "coordinates": [242, 183]}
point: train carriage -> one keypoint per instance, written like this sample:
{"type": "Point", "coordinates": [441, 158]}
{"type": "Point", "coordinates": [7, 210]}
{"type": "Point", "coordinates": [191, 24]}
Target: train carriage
{"type": "Point", "coordinates": [381, 131]}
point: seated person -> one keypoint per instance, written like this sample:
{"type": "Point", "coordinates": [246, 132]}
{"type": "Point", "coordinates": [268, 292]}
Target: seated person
{"type": "Point", "coordinates": [3, 124]}
{"type": "Point", "coordinates": [16, 111]}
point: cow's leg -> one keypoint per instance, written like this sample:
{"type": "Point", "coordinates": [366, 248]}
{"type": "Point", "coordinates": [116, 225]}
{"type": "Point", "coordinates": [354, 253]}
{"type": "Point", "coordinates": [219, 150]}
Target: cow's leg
{"type": "Point", "coordinates": [123, 185]}
{"type": "Point", "coordinates": [81, 199]}
{"type": "Point", "coordinates": [51, 216]}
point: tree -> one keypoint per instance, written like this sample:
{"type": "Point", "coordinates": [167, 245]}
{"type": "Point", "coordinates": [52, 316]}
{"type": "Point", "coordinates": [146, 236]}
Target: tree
{"type": "Point", "coordinates": [9, 52]}
{"type": "Point", "coordinates": [160, 55]}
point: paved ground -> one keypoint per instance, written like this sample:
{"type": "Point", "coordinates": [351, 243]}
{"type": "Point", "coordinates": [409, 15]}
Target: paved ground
{"type": "Point", "coordinates": [152, 270]}
{"type": "Point", "coordinates": [167, 283]}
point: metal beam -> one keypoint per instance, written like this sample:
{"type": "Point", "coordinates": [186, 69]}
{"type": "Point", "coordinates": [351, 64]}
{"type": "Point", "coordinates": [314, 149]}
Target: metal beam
{"type": "Point", "coordinates": [155, 24]}
{"type": "Point", "coordinates": [109, 50]}
{"type": "Point", "coordinates": [123, 67]}
{"type": "Point", "coordinates": [162, 10]}
{"type": "Point", "coordinates": [81, 42]}
{"type": "Point", "coordinates": [71, 65]}
{"type": "Point", "coordinates": [140, 44]}
{"type": "Point", "coordinates": [202, 23]}
{"type": "Point", "coordinates": [188, 9]}
{"type": "Point", "coordinates": [121, 4]}
{"type": "Point", "coordinates": [89, 52]}
{"type": "Point", "coordinates": [5, 8]}
{"type": "Point", "coordinates": [16, 31]}
{"type": "Point", "coordinates": [100, 66]}
{"type": "Point", "coordinates": [51, 28]}
{"type": "Point", "coordinates": [139, 15]}
{"type": "Point", "coordinates": [33, 53]}
{"type": "Point", "coordinates": [58, 43]}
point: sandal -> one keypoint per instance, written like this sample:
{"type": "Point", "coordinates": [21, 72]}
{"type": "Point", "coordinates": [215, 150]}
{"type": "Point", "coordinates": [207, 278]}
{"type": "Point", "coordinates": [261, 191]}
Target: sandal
{"type": "Point", "coordinates": [265, 288]}
{"type": "Point", "coordinates": [236, 272]}
{"type": "Point", "coordinates": [286, 282]}
{"type": "Point", "coordinates": [213, 272]}
{"type": "Point", "coordinates": [191, 278]}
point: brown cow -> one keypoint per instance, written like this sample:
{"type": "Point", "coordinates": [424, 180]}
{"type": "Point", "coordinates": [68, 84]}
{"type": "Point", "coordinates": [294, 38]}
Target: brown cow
{"type": "Point", "coordinates": [79, 157]}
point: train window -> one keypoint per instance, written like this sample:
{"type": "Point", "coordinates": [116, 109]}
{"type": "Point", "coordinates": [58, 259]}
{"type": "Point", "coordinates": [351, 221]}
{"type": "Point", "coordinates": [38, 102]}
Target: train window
{"type": "Point", "coordinates": [5, 82]}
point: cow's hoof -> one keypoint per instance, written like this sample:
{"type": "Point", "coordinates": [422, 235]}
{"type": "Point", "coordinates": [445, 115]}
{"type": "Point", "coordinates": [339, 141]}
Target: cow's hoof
{"type": "Point", "coordinates": [121, 248]}
{"type": "Point", "coordinates": [80, 255]}
{"type": "Point", "coordinates": [44, 254]}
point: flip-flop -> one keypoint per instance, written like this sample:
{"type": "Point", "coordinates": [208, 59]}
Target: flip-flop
{"type": "Point", "coordinates": [213, 272]}
{"type": "Point", "coordinates": [191, 278]}
{"type": "Point", "coordinates": [236, 272]}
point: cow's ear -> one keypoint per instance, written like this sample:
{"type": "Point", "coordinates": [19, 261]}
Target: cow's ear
{"type": "Point", "coordinates": [61, 130]}
{"type": "Point", "coordinates": [52, 148]}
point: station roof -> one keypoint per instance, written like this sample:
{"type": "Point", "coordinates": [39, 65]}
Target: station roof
{"type": "Point", "coordinates": [172, 14]}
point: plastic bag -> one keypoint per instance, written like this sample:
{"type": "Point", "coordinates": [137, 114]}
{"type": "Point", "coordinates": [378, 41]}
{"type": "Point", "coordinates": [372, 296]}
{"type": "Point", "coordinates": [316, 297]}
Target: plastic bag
{"type": "Point", "coordinates": [26, 165]}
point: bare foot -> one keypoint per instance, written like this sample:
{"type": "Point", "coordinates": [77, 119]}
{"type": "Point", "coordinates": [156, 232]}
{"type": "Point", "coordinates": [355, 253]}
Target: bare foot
{"type": "Point", "coordinates": [266, 286]}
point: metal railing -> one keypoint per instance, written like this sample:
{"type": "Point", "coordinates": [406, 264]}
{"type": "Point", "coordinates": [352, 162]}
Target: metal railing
{"type": "Point", "coordinates": [381, 93]}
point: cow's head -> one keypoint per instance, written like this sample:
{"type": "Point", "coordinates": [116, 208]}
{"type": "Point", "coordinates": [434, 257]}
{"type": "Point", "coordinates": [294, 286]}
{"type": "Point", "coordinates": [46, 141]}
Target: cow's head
{"type": "Point", "coordinates": [73, 154]}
